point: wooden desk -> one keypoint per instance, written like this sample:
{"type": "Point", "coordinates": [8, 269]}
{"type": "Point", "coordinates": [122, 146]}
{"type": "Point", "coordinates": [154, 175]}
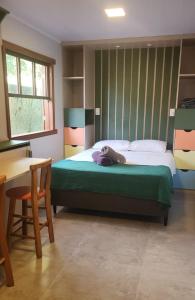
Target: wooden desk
{"type": "Point", "coordinates": [13, 159]}
{"type": "Point", "coordinates": [15, 167]}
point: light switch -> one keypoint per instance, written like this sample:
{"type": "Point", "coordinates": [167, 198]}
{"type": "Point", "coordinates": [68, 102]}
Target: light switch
{"type": "Point", "coordinates": [97, 111]}
{"type": "Point", "coordinates": [172, 112]}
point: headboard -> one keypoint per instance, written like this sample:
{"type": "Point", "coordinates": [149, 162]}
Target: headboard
{"type": "Point", "coordinates": [135, 89]}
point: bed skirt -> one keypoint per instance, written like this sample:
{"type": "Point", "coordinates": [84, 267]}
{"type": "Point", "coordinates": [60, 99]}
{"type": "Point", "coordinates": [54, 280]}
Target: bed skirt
{"type": "Point", "coordinates": [109, 203]}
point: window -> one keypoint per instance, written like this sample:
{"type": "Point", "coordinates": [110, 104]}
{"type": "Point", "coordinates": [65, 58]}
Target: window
{"type": "Point", "coordinates": [29, 92]}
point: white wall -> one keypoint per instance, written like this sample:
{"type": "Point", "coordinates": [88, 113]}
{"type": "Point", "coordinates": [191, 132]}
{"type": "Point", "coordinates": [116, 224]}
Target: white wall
{"type": "Point", "coordinates": [16, 32]}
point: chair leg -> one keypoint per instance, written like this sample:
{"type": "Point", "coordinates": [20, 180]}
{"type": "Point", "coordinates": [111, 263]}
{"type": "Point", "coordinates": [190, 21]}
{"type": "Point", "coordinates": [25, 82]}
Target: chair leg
{"type": "Point", "coordinates": [35, 213]}
{"type": "Point", "coordinates": [55, 209]}
{"type": "Point", "coordinates": [5, 253]}
{"type": "Point", "coordinates": [24, 213]}
{"type": "Point", "coordinates": [12, 205]}
{"type": "Point", "coordinates": [49, 217]}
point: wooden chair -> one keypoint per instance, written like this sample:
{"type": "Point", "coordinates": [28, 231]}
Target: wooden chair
{"type": "Point", "coordinates": [4, 260]}
{"type": "Point", "coordinates": [32, 193]}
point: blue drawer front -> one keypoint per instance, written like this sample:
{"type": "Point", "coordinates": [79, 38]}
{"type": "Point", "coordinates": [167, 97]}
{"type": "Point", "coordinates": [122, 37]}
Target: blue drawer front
{"type": "Point", "coordinates": [184, 180]}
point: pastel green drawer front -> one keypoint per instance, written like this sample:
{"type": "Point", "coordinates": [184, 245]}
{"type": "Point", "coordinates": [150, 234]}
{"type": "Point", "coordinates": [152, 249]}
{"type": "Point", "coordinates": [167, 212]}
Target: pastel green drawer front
{"type": "Point", "coordinates": [78, 117]}
{"type": "Point", "coordinates": [185, 119]}
{"type": "Point", "coordinates": [72, 150]}
{"type": "Point", "coordinates": [184, 180]}
{"type": "Point", "coordinates": [184, 159]}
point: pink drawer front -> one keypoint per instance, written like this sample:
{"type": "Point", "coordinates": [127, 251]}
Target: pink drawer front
{"type": "Point", "coordinates": [185, 140]}
{"type": "Point", "coordinates": [74, 136]}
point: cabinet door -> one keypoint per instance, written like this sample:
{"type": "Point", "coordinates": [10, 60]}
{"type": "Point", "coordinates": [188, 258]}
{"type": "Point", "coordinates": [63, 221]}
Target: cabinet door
{"type": "Point", "coordinates": [184, 180]}
{"type": "Point", "coordinates": [72, 150]}
{"type": "Point", "coordinates": [184, 159]}
{"type": "Point", "coordinates": [74, 136]}
{"type": "Point", "coordinates": [184, 119]}
{"type": "Point", "coordinates": [184, 140]}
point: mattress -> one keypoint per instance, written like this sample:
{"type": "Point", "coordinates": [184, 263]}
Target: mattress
{"type": "Point", "coordinates": [136, 158]}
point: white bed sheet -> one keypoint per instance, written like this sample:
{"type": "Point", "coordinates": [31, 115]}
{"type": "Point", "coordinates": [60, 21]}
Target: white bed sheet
{"type": "Point", "coordinates": [136, 158]}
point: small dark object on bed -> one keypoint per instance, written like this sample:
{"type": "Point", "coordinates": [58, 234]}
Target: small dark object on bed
{"type": "Point", "coordinates": [115, 156]}
{"type": "Point", "coordinates": [102, 160]}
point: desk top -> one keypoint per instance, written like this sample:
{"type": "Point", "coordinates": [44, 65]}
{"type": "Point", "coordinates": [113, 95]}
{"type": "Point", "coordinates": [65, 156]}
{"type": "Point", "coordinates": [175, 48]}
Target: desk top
{"type": "Point", "coordinates": [15, 167]}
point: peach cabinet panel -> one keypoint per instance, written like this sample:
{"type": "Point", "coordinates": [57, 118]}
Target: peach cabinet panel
{"type": "Point", "coordinates": [185, 140]}
{"type": "Point", "coordinates": [74, 136]}
{"type": "Point", "coordinates": [185, 160]}
{"type": "Point", "coordinates": [72, 150]}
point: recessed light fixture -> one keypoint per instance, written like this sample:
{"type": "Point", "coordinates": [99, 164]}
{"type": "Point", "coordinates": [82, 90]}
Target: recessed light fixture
{"type": "Point", "coordinates": [115, 12]}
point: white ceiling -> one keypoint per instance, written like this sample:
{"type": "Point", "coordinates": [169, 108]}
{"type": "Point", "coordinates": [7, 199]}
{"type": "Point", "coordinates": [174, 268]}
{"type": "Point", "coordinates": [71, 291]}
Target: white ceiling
{"type": "Point", "coordinates": [75, 20]}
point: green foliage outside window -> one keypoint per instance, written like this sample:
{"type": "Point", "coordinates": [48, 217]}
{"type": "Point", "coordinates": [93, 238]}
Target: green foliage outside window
{"type": "Point", "coordinates": [26, 114]}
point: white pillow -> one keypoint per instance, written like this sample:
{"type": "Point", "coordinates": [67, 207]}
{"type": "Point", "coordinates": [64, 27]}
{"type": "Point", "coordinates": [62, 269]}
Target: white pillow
{"type": "Point", "coordinates": [114, 144]}
{"type": "Point", "coordinates": [148, 146]}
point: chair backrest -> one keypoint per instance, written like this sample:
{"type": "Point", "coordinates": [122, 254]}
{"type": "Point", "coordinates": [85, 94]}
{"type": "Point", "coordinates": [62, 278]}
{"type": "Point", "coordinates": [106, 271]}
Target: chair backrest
{"type": "Point", "coordinates": [2, 181]}
{"type": "Point", "coordinates": [45, 177]}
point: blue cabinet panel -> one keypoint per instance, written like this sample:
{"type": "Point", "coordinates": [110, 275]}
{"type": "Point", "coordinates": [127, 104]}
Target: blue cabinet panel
{"type": "Point", "coordinates": [184, 179]}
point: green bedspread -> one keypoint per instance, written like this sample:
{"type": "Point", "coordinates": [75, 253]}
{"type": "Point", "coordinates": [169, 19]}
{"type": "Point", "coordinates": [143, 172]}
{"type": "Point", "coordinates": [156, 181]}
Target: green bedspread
{"type": "Point", "coordinates": [142, 182]}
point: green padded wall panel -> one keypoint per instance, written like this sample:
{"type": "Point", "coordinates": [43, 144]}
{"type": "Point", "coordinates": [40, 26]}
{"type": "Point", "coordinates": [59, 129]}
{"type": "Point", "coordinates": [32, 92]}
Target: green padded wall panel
{"type": "Point", "coordinates": [135, 88]}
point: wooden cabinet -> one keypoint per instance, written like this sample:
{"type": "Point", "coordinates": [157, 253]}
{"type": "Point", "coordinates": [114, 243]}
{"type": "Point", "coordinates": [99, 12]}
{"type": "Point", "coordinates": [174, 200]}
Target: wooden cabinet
{"type": "Point", "coordinates": [184, 148]}
{"type": "Point", "coordinates": [79, 102]}
{"type": "Point", "coordinates": [78, 130]}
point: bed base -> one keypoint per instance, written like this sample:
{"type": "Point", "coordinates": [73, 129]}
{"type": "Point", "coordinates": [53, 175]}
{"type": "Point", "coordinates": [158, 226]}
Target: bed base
{"type": "Point", "coordinates": [109, 203]}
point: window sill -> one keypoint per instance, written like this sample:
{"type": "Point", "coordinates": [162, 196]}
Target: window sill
{"type": "Point", "coordinates": [30, 136]}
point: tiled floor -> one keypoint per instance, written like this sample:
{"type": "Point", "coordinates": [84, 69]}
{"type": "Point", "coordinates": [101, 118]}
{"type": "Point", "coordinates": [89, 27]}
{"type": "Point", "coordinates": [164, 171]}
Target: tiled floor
{"type": "Point", "coordinates": [102, 258]}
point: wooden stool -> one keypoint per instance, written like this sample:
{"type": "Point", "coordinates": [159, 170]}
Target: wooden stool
{"type": "Point", "coordinates": [32, 193]}
{"type": "Point", "coordinates": [4, 260]}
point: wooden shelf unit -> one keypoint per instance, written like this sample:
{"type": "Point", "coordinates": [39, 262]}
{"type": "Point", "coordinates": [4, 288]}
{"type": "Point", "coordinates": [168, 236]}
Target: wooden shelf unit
{"type": "Point", "coordinates": [73, 61]}
{"type": "Point", "coordinates": [186, 82]}
{"type": "Point", "coordinates": [79, 98]}
{"type": "Point", "coordinates": [188, 57]}
{"type": "Point", "coordinates": [184, 138]}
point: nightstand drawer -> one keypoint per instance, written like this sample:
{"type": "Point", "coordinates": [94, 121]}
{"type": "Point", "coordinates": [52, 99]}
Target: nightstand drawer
{"type": "Point", "coordinates": [184, 159]}
{"type": "Point", "coordinates": [74, 136]}
{"type": "Point", "coordinates": [184, 140]}
{"type": "Point", "coordinates": [184, 180]}
{"type": "Point", "coordinates": [184, 118]}
{"type": "Point", "coordinates": [72, 150]}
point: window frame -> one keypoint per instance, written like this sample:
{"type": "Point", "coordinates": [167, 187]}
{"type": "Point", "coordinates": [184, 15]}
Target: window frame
{"type": "Point", "coordinates": [20, 52]}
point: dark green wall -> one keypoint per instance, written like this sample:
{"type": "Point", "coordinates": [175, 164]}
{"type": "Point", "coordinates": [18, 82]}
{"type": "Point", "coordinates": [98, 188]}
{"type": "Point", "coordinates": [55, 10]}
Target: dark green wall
{"type": "Point", "coordinates": [135, 89]}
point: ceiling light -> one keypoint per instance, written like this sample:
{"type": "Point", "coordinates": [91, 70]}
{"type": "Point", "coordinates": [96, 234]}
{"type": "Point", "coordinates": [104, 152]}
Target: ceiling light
{"type": "Point", "coordinates": [115, 12]}
{"type": "Point", "coordinates": [149, 45]}
{"type": "Point", "coordinates": [117, 46]}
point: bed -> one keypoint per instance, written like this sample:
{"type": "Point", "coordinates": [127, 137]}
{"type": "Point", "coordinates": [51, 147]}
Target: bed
{"type": "Point", "coordinates": [142, 186]}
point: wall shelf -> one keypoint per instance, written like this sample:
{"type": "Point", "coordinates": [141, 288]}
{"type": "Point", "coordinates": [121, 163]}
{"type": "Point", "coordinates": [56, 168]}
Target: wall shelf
{"type": "Point", "coordinates": [188, 76]}
{"type": "Point", "coordinates": [73, 77]}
